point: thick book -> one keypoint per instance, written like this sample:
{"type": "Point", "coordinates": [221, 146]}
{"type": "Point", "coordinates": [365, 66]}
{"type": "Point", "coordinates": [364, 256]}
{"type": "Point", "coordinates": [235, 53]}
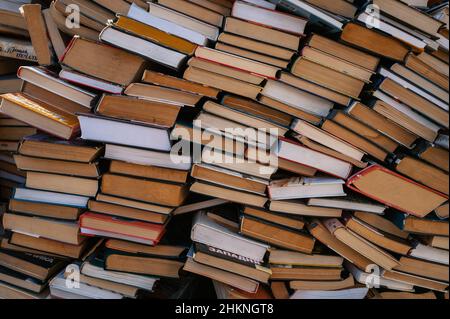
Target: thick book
{"type": "Point", "coordinates": [41, 267]}
{"type": "Point", "coordinates": [39, 115]}
{"type": "Point", "coordinates": [116, 131]}
{"type": "Point", "coordinates": [274, 19]}
{"type": "Point", "coordinates": [396, 191]}
{"type": "Point", "coordinates": [276, 235]}
{"type": "Point", "coordinates": [209, 256]}
{"type": "Point", "coordinates": [152, 19]}
{"type": "Point", "coordinates": [374, 41]}
{"type": "Point", "coordinates": [54, 229]}
{"type": "Point", "coordinates": [122, 38]}
{"type": "Point", "coordinates": [208, 232]}
{"type": "Point", "coordinates": [92, 224]}
{"type": "Point", "coordinates": [139, 110]}
{"type": "Point", "coordinates": [38, 32]}
{"type": "Point", "coordinates": [46, 146]}
{"type": "Point", "coordinates": [95, 59]}
{"type": "Point", "coordinates": [361, 245]}
{"type": "Point", "coordinates": [302, 187]}
{"type": "Point", "coordinates": [298, 153]}
{"type": "Point", "coordinates": [146, 190]}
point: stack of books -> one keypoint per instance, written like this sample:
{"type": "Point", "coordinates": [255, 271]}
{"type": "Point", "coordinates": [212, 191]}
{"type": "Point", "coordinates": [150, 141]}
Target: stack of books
{"type": "Point", "coordinates": [261, 149]}
{"type": "Point", "coordinates": [256, 44]}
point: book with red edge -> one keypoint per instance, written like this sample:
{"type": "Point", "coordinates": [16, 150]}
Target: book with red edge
{"type": "Point", "coordinates": [396, 191]}
{"type": "Point", "coordinates": [114, 227]}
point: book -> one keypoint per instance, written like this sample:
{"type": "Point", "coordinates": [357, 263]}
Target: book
{"type": "Point", "coordinates": [59, 230]}
{"type": "Point", "coordinates": [222, 82]}
{"type": "Point", "coordinates": [206, 231]}
{"type": "Point", "coordinates": [301, 187]}
{"type": "Point", "coordinates": [123, 39]}
{"type": "Point", "coordinates": [299, 208]}
{"type": "Point", "coordinates": [365, 131]}
{"type": "Point", "coordinates": [78, 78]}
{"type": "Point", "coordinates": [204, 256]}
{"type": "Point", "coordinates": [326, 19]}
{"type": "Point", "coordinates": [374, 41]}
{"type": "Point", "coordinates": [40, 115]}
{"type": "Point", "coordinates": [164, 80]}
{"type": "Point", "coordinates": [50, 246]}
{"type": "Point", "coordinates": [162, 94]}
{"type": "Point", "coordinates": [314, 88]}
{"type": "Point", "coordinates": [335, 63]}
{"type": "Point", "coordinates": [210, 31]}
{"type": "Point", "coordinates": [424, 226]}
{"type": "Point", "coordinates": [44, 209]}
{"type": "Point", "coordinates": [376, 182]}
{"type": "Point", "coordinates": [285, 257]}
{"type": "Point", "coordinates": [277, 236]}
{"type": "Point", "coordinates": [127, 212]}
{"type": "Point", "coordinates": [362, 246]}
{"type": "Point", "coordinates": [236, 62]}
{"type": "Point", "coordinates": [271, 18]}
{"type": "Point", "coordinates": [423, 173]}
{"type": "Point", "coordinates": [57, 101]}
{"type": "Point", "coordinates": [38, 32]}
{"type": "Point", "coordinates": [139, 110]}
{"type": "Point", "coordinates": [45, 197]}
{"type": "Point", "coordinates": [26, 163]}
{"type": "Point", "coordinates": [37, 266]}
{"type": "Point", "coordinates": [276, 218]}
{"type": "Point", "coordinates": [410, 16]}
{"type": "Point", "coordinates": [252, 55]}
{"type": "Point", "coordinates": [143, 157]}
{"type": "Point", "coordinates": [227, 178]}
{"type": "Point", "coordinates": [300, 154]}
{"type": "Point", "coordinates": [351, 202]}
{"type": "Point", "coordinates": [146, 190]}
{"type": "Point", "coordinates": [170, 26]}
{"type": "Point", "coordinates": [297, 99]}
{"type": "Point", "coordinates": [330, 78]}
{"type": "Point", "coordinates": [256, 46]}
{"type": "Point", "coordinates": [92, 224]}
{"type": "Point", "coordinates": [376, 121]}
{"type": "Point", "coordinates": [262, 33]}
{"type": "Point", "coordinates": [111, 130]}
{"type": "Point", "coordinates": [46, 146]}
{"type": "Point", "coordinates": [226, 71]}
{"type": "Point", "coordinates": [66, 184]}
{"type": "Point", "coordinates": [234, 280]}
{"type": "Point", "coordinates": [354, 139]}
{"type": "Point", "coordinates": [194, 10]}
{"type": "Point", "coordinates": [139, 264]}
{"type": "Point", "coordinates": [17, 49]}
{"type": "Point", "coordinates": [154, 172]}
{"type": "Point", "coordinates": [83, 56]}
{"type": "Point", "coordinates": [383, 240]}
{"type": "Point", "coordinates": [316, 134]}
{"type": "Point", "coordinates": [344, 52]}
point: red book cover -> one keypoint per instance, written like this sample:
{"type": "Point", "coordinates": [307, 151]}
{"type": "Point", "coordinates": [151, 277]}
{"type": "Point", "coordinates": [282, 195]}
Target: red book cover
{"type": "Point", "coordinates": [361, 174]}
{"type": "Point", "coordinates": [160, 229]}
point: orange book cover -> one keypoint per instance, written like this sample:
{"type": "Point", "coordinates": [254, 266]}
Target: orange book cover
{"type": "Point", "coordinates": [155, 35]}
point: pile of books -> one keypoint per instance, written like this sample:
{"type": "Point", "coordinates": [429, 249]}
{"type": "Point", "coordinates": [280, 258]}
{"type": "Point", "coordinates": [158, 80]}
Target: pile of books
{"type": "Point", "coordinates": [258, 149]}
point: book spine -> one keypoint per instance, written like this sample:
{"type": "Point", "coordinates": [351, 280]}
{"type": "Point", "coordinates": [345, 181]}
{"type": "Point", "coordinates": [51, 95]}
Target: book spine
{"type": "Point", "coordinates": [16, 50]}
